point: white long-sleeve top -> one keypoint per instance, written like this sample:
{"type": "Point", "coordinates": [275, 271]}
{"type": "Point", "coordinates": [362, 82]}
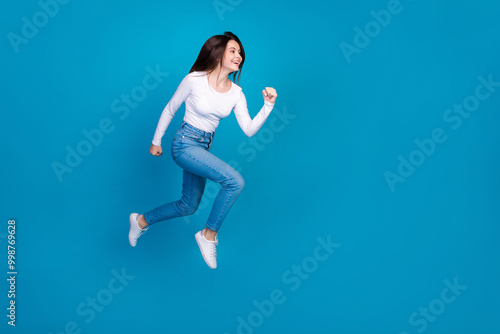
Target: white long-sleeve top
{"type": "Point", "coordinates": [205, 107]}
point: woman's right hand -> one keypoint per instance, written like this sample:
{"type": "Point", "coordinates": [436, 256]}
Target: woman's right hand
{"type": "Point", "coordinates": [155, 150]}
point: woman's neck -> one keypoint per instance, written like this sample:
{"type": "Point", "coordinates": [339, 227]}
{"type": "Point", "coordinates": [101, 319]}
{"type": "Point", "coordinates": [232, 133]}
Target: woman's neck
{"type": "Point", "coordinates": [219, 77]}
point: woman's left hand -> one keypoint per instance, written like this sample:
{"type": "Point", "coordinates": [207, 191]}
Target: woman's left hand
{"type": "Point", "coordinates": [269, 94]}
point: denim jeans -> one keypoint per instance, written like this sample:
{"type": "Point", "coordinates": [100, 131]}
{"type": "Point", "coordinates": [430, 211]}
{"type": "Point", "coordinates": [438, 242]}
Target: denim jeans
{"type": "Point", "coordinates": [190, 150]}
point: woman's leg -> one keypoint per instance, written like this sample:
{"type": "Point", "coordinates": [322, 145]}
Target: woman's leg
{"type": "Point", "coordinates": [199, 161]}
{"type": "Point", "coordinates": [193, 187]}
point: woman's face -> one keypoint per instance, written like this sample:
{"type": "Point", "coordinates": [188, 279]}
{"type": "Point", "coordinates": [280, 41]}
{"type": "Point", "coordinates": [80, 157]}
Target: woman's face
{"type": "Point", "coordinates": [232, 58]}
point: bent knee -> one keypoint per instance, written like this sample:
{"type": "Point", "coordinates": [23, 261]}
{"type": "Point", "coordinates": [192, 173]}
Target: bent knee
{"type": "Point", "coordinates": [187, 210]}
{"type": "Point", "coordinates": [233, 181]}
{"type": "Point", "coordinates": [239, 182]}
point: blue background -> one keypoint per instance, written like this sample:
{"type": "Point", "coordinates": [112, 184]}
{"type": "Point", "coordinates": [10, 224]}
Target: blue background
{"type": "Point", "coordinates": [321, 175]}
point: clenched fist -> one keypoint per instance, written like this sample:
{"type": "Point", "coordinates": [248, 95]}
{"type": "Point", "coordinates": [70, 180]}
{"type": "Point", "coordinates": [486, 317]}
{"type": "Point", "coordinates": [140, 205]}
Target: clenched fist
{"type": "Point", "coordinates": [155, 150]}
{"type": "Point", "coordinates": [269, 94]}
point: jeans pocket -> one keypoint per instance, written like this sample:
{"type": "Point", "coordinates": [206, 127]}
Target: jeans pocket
{"type": "Point", "coordinates": [192, 135]}
{"type": "Point", "coordinates": [176, 146]}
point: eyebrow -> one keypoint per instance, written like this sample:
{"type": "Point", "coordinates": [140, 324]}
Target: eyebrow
{"type": "Point", "coordinates": [234, 48]}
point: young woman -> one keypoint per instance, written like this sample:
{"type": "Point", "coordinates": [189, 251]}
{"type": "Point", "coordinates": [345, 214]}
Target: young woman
{"type": "Point", "coordinates": [209, 95]}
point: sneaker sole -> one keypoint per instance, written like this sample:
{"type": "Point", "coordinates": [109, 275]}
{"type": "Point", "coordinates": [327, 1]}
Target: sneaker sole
{"type": "Point", "coordinates": [132, 221]}
{"type": "Point", "coordinates": [197, 236]}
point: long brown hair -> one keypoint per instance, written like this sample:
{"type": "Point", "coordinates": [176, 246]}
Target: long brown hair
{"type": "Point", "coordinates": [214, 49]}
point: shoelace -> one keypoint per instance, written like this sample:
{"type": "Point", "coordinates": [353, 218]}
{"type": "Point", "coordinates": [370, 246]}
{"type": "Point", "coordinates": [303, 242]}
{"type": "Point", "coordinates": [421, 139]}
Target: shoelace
{"type": "Point", "coordinates": [142, 231]}
{"type": "Point", "coordinates": [213, 250]}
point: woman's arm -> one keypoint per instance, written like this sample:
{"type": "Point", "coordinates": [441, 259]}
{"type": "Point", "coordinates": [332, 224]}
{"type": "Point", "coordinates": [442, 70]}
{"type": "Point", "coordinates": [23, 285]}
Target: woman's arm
{"type": "Point", "coordinates": [248, 125]}
{"type": "Point", "coordinates": [173, 105]}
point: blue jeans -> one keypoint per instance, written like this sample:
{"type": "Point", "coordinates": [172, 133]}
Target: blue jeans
{"type": "Point", "coordinates": [190, 150]}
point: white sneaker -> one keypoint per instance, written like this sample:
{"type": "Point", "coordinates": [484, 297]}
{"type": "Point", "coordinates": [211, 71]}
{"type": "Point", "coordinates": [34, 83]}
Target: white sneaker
{"type": "Point", "coordinates": [208, 248]}
{"type": "Point", "coordinates": [135, 231]}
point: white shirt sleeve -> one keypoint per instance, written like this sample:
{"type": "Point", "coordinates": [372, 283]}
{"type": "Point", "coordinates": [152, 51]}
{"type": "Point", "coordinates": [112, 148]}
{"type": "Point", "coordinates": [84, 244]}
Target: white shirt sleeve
{"type": "Point", "coordinates": [248, 125]}
{"type": "Point", "coordinates": [173, 105]}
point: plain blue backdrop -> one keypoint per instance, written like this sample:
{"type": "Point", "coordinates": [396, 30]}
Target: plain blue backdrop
{"type": "Point", "coordinates": [359, 84]}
